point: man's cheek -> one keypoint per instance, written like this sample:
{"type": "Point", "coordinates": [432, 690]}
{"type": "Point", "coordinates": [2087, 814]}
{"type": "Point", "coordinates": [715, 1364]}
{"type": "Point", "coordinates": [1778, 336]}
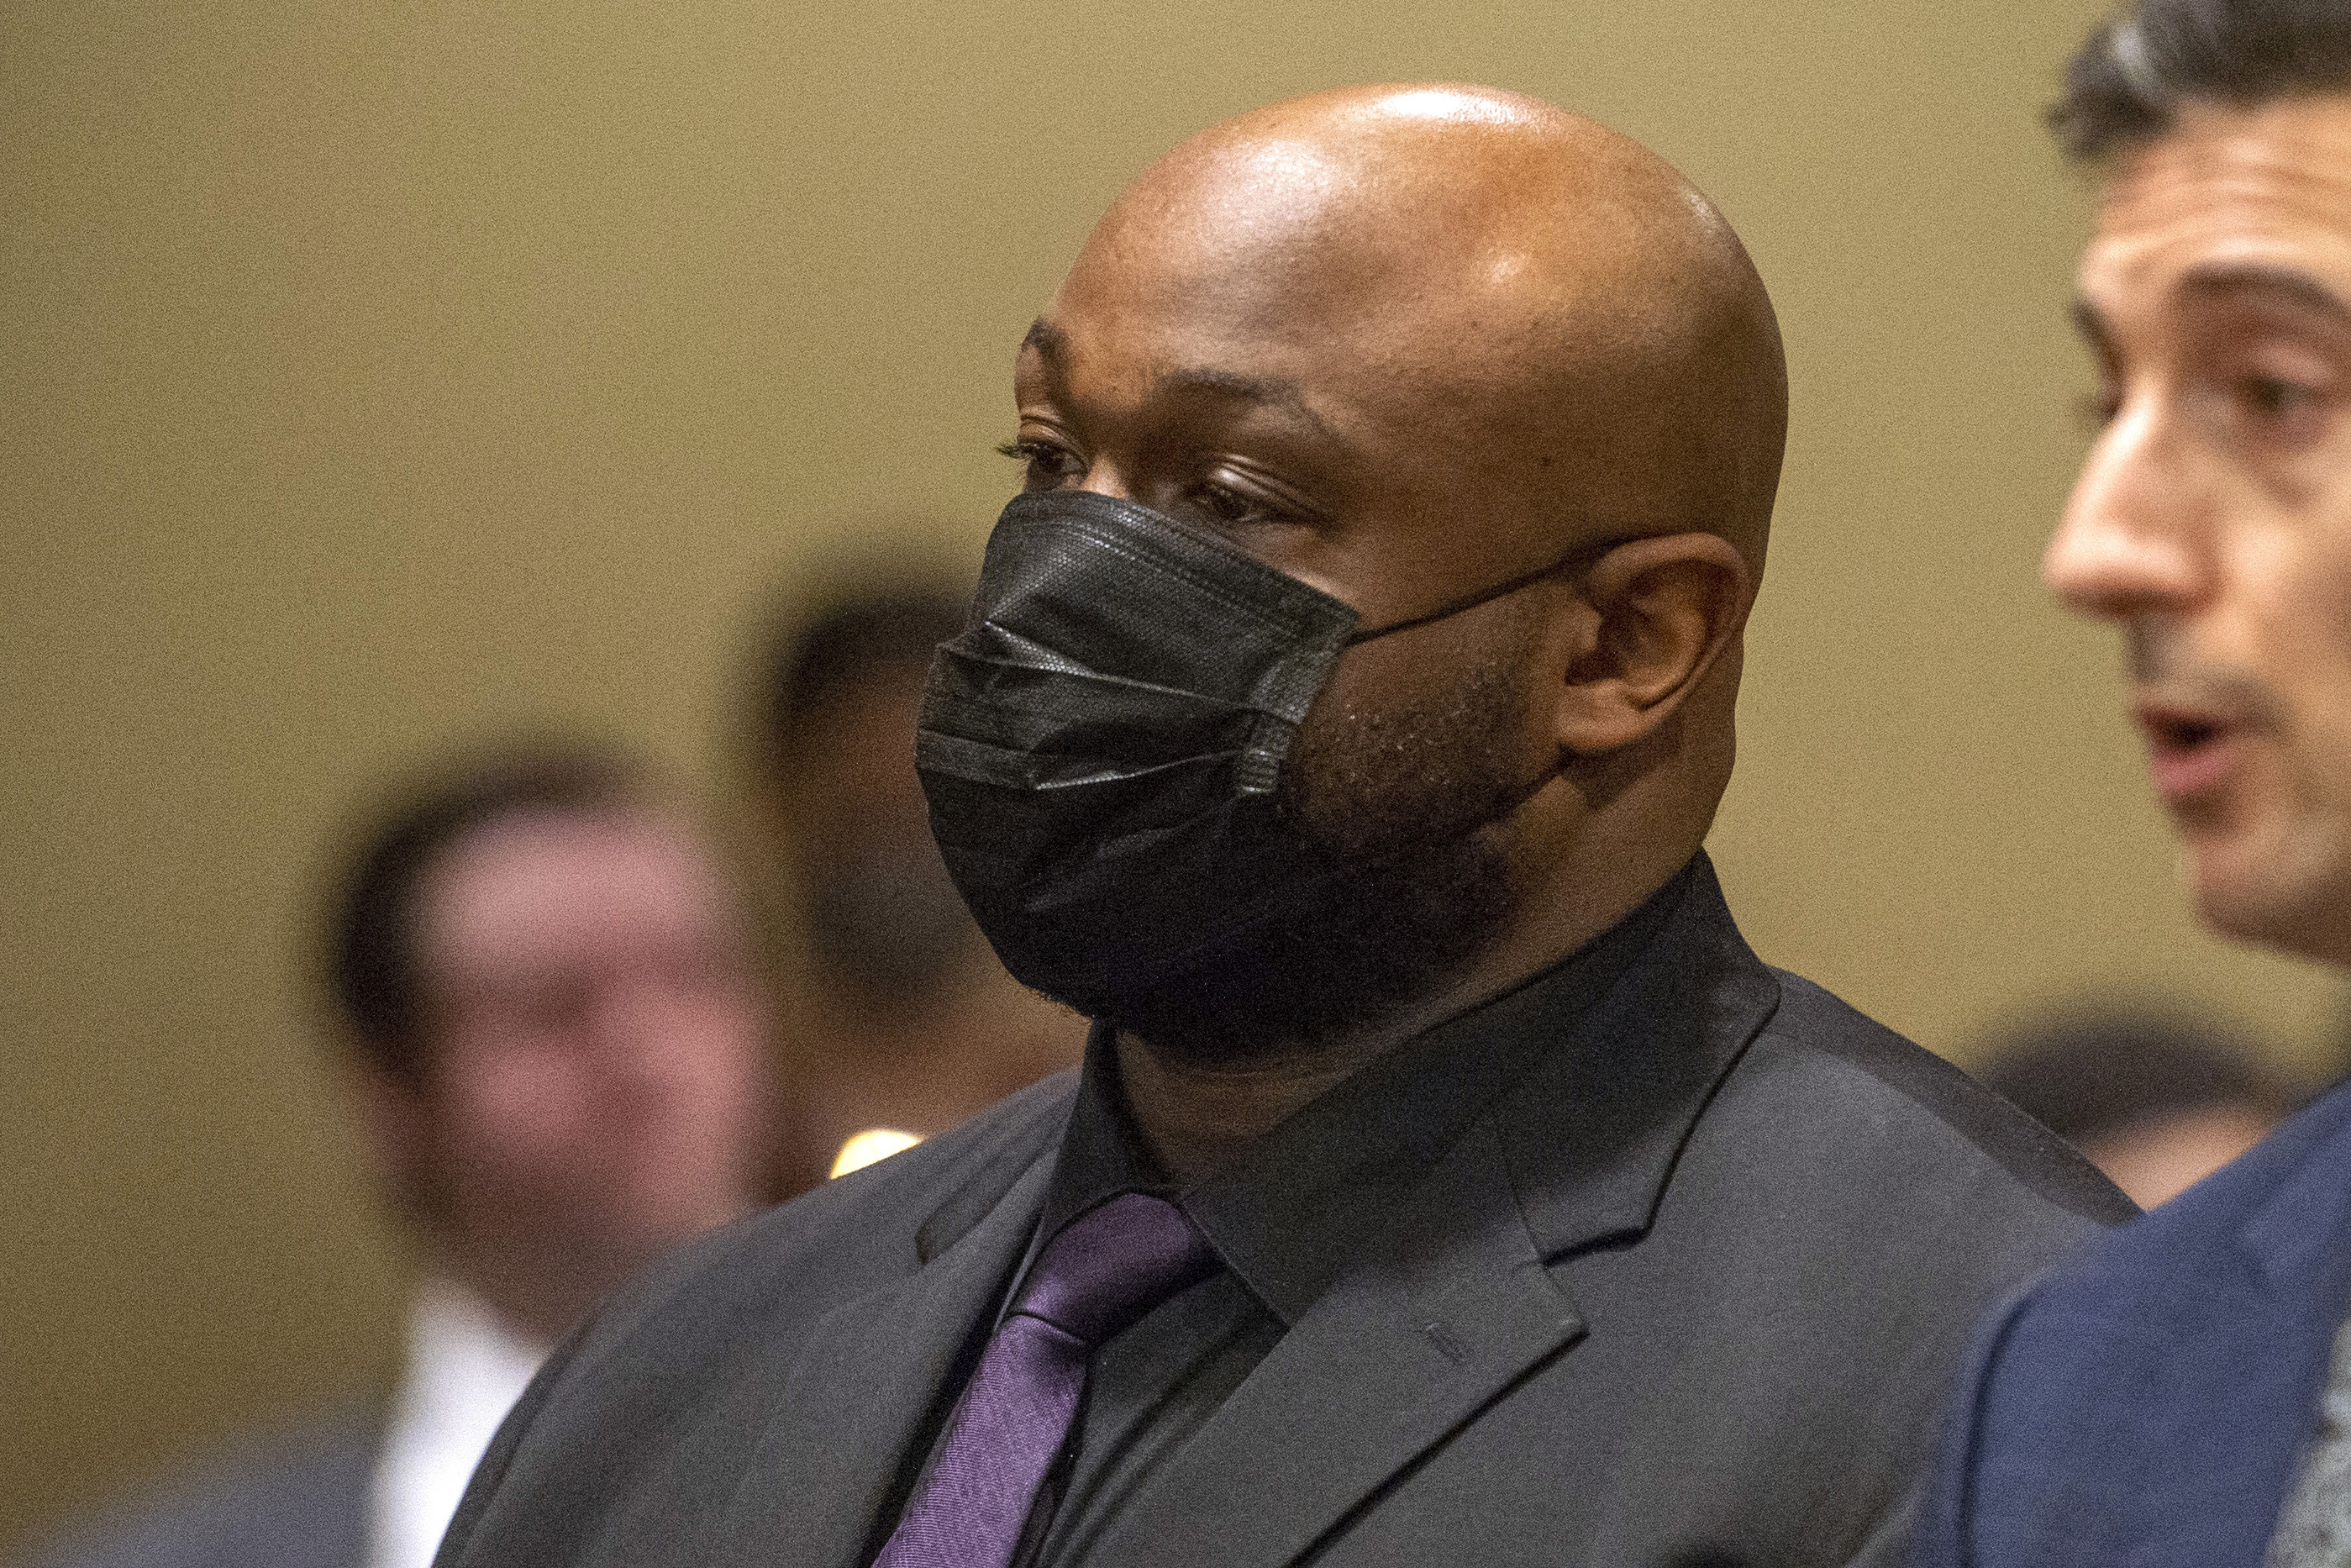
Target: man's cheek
{"type": "Point", "coordinates": [2313, 770]}
{"type": "Point", "coordinates": [532, 1105]}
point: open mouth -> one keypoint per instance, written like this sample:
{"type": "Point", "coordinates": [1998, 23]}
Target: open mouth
{"type": "Point", "coordinates": [2188, 753]}
{"type": "Point", "coordinates": [2178, 734]}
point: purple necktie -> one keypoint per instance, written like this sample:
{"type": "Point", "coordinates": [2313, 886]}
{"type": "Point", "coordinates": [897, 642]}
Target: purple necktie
{"type": "Point", "coordinates": [1106, 1269]}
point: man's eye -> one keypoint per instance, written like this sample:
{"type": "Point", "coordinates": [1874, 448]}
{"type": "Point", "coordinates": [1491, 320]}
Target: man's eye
{"type": "Point", "coordinates": [2281, 413]}
{"type": "Point", "coordinates": [1050, 465]}
{"type": "Point", "coordinates": [2274, 397]}
{"type": "Point", "coordinates": [1230, 506]}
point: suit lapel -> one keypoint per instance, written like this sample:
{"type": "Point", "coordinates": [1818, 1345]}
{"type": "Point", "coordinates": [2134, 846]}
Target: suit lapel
{"type": "Point", "coordinates": [1444, 1313]}
{"type": "Point", "coordinates": [1594, 1134]}
{"type": "Point", "coordinates": [1455, 1303]}
{"type": "Point", "coordinates": [1439, 1316]}
{"type": "Point", "coordinates": [861, 1387]}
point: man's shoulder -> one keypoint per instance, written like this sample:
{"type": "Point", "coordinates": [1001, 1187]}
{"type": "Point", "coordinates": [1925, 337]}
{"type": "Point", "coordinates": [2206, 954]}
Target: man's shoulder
{"type": "Point", "coordinates": [838, 1241]}
{"type": "Point", "coordinates": [1786, 1085]}
{"type": "Point", "coordinates": [2150, 1396]}
{"type": "Point", "coordinates": [295, 1498]}
{"type": "Point", "coordinates": [2292, 1185]}
{"type": "Point", "coordinates": [641, 1426]}
{"type": "Point", "coordinates": [1889, 1106]}
{"type": "Point", "coordinates": [748, 1288]}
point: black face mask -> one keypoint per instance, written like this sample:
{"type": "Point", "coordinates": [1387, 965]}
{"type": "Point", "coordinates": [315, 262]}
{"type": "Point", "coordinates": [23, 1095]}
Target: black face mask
{"type": "Point", "coordinates": [1102, 745]}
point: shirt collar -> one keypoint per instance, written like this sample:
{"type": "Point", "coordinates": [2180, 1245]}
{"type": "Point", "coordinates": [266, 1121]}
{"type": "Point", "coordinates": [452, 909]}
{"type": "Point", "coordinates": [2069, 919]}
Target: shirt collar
{"type": "Point", "coordinates": [465, 1369]}
{"type": "Point", "coordinates": [1287, 1216]}
{"type": "Point", "coordinates": [465, 1365]}
{"type": "Point", "coordinates": [1102, 1152]}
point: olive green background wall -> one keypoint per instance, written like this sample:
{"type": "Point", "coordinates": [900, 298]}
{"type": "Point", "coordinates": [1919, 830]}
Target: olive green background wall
{"type": "Point", "coordinates": [376, 373]}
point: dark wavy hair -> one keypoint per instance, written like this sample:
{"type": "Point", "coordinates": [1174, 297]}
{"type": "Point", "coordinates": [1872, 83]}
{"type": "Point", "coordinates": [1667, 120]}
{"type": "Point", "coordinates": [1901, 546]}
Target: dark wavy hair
{"type": "Point", "coordinates": [810, 662]}
{"type": "Point", "coordinates": [2127, 84]}
{"type": "Point", "coordinates": [371, 958]}
{"type": "Point", "coordinates": [2096, 1070]}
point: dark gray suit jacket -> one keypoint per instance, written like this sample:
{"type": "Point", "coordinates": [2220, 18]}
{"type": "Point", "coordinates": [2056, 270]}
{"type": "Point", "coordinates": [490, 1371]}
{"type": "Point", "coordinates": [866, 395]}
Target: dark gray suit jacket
{"type": "Point", "coordinates": [298, 1501]}
{"type": "Point", "coordinates": [1693, 1287]}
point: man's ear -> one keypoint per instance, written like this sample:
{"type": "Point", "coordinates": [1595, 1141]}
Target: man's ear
{"type": "Point", "coordinates": [1660, 612]}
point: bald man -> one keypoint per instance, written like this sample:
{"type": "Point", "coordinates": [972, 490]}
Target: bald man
{"type": "Point", "coordinates": [1345, 701]}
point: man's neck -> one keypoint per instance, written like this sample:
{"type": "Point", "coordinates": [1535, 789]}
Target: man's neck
{"type": "Point", "coordinates": [1199, 1116]}
{"type": "Point", "coordinates": [525, 1300]}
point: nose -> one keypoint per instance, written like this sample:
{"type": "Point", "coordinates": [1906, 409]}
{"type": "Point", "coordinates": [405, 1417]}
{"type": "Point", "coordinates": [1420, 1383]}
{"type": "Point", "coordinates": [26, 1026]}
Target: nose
{"type": "Point", "coordinates": [1103, 477]}
{"type": "Point", "coordinates": [635, 1032]}
{"type": "Point", "coordinates": [662, 1024]}
{"type": "Point", "coordinates": [2128, 544]}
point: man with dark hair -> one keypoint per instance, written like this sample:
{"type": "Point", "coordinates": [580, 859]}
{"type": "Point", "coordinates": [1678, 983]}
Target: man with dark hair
{"type": "Point", "coordinates": [2183, 1394]}
{"type": "Point", "coordinates": [892, 1013]}
{"type": "Point", "coordinates": [1343, 704]}
{"type": "Point", "coordinates": [2158, 1104]}
{"type": "Point", "coordinates": [556, 1053]}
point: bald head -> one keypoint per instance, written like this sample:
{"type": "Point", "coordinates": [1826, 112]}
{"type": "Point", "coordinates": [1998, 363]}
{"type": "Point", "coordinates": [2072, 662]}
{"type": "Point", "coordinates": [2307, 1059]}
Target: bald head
{"type": "Point", "coordinates": [1502, 382]}
{"type": "Point", "coordinates": [1470, 291]}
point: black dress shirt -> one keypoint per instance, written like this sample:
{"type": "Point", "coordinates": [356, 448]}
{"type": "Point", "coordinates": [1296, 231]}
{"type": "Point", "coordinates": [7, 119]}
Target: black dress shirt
{"type": "Point", "coordinates": [1284, 1219]}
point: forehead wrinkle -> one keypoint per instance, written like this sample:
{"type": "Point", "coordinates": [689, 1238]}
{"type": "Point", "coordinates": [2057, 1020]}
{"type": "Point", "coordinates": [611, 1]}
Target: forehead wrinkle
{"type": "Point", "coordinates": [2267, 176]}
{"type": "Point", "coordinates": [2289, 283]}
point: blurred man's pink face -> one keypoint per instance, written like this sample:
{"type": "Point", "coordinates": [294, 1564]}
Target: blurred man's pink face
{"type": "Point", "coordinates": [596, 1066]}
{"type": "Point", "coordinates": [2212, 521]}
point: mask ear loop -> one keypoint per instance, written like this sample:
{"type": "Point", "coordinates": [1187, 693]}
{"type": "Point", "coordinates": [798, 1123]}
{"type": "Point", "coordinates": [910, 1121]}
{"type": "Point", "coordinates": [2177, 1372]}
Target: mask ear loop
{"type": "Point", "coordinates": [1583, 555]}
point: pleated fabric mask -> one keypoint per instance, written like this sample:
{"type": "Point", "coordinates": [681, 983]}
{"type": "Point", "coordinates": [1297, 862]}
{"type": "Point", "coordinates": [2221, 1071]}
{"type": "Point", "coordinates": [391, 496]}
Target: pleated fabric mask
{"type": "Point", "coordinates": [1101, 746]}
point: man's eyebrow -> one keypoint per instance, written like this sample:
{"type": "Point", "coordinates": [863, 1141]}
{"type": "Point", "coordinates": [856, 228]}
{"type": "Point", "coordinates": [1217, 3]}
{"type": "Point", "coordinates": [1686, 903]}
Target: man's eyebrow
{"type": "Point", "coordinates": [1051, 345]}
{"type": "Point", "coordinates": [1272, 392]}
{"type": "Point", "coordinates": [1050, 341]}
{"type": "Point", "coordinates": [2287, 285]}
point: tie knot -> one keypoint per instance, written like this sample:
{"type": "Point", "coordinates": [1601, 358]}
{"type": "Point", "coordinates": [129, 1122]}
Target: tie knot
{"type": "Point", "coordinates": [1112, 1264]}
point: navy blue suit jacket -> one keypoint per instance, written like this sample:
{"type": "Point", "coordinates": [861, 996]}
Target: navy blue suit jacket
{"type": "Point", "coordinates": [2148, 1404]}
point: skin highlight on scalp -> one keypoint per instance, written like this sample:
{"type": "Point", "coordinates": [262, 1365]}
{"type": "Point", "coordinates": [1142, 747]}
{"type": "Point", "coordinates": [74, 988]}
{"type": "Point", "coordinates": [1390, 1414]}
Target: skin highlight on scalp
{"type": "Point", "coordinates": [1619, 329]}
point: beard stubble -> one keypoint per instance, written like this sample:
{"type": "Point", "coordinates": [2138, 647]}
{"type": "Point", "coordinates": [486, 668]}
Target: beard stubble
{"type": "Point", "coordinates": [1413, 803]}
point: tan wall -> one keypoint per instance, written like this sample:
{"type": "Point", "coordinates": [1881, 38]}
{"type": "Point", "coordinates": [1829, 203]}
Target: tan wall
{"type": "Point", "coordinates": [380, 373]}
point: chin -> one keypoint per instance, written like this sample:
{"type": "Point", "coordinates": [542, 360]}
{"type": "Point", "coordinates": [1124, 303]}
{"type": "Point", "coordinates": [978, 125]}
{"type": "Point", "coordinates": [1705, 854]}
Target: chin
{"type": "Point", "coordinates": [2295, 903]}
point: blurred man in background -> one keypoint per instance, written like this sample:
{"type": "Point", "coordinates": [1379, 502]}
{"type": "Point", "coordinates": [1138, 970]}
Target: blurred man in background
{"type": "Point", "coordinates": [555, 1050]}
{"type": "Point", "coordinates": [893, 1012]}
{"type": "Point", "coordinates": [2183, 1394]}
{"type": "Point", "coordinates": [2157, 1103]}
